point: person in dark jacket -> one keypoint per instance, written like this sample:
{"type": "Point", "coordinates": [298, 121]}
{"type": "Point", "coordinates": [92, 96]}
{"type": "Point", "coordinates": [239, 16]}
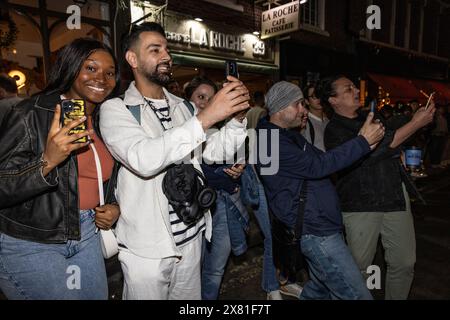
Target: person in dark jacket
{"type": "Point", "coordinates": [373, 192]}
{"type": "Point", "coordinates": [224, 180]}
{"type": "Point", "coordinates": [333, 272]}
{"type": "Point", "coordinates": [49, 190]}
{"type": "Point", "coordinates": [8, 94]}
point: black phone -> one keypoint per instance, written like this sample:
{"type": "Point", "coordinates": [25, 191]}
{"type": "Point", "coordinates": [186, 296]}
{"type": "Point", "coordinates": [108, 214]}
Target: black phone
{"type": "Point", "coordinates": [231, 69]}
{"type": "Point", "coordinates": [74, 109]}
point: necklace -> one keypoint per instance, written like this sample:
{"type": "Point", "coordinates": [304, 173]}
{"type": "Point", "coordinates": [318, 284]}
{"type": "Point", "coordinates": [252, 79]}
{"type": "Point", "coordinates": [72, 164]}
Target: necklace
{"type": "Point", "coordinates": [163, 113]}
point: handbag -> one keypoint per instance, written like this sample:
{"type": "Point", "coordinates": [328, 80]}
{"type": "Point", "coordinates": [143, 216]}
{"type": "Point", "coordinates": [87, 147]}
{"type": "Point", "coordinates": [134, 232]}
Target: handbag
{"type": "Point", "coordinates": [108, 240]}
{"type": "Point", "coordinates": [287, 253]}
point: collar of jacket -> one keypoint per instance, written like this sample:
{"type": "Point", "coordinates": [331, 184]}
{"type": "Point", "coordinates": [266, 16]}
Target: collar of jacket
{"type": "Point", "coordinates": [133, 97]}
{"type": "Point", "coordinates": [353, 124]}
{"type": "Point", "coordinates": [47, 102]}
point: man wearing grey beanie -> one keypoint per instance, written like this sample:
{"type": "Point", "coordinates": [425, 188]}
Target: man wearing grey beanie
{"type": "Point", "coordinates": [302, 178]}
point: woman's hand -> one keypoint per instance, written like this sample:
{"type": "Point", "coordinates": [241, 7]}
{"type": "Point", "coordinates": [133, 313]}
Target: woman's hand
{"type": "Point", "coordinates": [59, 143]}
{"type": "Point", "coordinates": [235, 171]}
{"type": "Point", "coordinates": [106, 215]}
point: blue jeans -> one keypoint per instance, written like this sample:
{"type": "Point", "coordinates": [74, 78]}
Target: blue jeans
{"type": "Point", "coordinates": [38, 271]}
{"type": "Point", "coordinates": [215, 253]}
{"type": "Point", "coordinates": [269, 275]}
{"type": "Point", "coordinates": [229, 223]}
{"type": "Point", "coordinates": [333, 272]}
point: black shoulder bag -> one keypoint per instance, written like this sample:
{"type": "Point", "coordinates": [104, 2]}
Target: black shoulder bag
{"type": "Point", "coordinates": [287, 253]}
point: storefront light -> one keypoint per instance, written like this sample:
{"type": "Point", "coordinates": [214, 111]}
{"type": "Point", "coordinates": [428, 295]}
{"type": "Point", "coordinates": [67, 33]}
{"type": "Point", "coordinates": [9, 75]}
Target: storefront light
{"type": "Point", "coordinates": [19, 76]}
{"type": "Point", "coordinates": [198, 19]}
{"type": "Point", "coordinates": [256, 33]}
{"type": "Point", "coordinates": [303, 1]}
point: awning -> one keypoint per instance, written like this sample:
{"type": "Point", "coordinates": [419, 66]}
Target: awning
{"type": "Point", "coordinates": [398, 88]}
{"type": "Point", "coordinates": [406, 89]}
{"type": "Point", "coordinates": [442, 91]}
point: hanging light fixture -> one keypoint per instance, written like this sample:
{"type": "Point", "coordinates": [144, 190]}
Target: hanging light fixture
{"type": "Point", "coordinates": [19, 76]}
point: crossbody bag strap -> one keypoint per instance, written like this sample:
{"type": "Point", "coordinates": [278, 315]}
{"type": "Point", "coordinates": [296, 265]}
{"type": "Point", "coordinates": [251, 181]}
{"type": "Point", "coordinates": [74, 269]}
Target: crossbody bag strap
{"type": "Point", "coordinates": [301, 210]}
{"type": "Point", "coordinates": [189, 106]}
{"type": "Point", "coordinates": [311, 131]}
{"type": "Point", "coordinates": [99, 174]}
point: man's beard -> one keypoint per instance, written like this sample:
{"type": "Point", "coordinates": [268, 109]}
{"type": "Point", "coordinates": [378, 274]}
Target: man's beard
{"type": "Point", "coordinates": [157, 77]}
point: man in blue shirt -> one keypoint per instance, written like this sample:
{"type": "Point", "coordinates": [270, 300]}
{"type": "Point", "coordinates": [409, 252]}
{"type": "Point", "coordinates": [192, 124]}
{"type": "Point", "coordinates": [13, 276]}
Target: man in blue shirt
{"type": "Point", "coordinates": [333, 272]}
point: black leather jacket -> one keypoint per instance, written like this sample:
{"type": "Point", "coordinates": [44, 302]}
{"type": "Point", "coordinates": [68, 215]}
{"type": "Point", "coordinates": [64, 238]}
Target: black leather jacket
{"type": "Point", "coordinates": [374, 183]}
{"type": "Point", "coordinates": [33, 207]}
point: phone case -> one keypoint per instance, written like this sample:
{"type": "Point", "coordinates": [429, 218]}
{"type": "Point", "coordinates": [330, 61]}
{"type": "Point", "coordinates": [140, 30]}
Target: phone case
{"type": "Point", "coordinates": [231, 69]}
{"type": "Point", "coordinates": [73, 109]}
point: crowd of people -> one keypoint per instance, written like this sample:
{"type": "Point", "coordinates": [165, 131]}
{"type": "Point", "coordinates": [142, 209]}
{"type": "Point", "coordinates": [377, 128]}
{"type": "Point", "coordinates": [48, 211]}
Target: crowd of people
{"type": "Point", "coordinates": [330, 193]}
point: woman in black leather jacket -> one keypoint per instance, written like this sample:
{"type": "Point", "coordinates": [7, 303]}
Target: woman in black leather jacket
{"type": "Point", "coordinates": [49, 184]}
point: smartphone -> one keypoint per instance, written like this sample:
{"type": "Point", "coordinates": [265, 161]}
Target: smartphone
{"type": "Point", "coordinates": [372, 106]}
{"type": "Point", "coordinates": [74, 109]}
{"type": "Point", "coordinates": [429, 100]}
{"type": "Point", "coordinates": [231, 69]}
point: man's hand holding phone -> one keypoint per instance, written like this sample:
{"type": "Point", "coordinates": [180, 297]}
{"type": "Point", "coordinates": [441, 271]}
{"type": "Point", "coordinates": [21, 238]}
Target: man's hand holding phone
{"type": "Point", "coordinates": [229, 101]}
{"type": "Point", "coordinates": [60, 144]}
{"type": "Point", "coordinates": [372, 131]}
{"type": "Point", "coordinates": [231, 69]}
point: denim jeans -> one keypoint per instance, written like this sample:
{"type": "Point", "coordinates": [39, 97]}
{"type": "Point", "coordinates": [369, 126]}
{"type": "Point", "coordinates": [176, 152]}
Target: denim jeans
{"type": "Point", "coordinates": [229, 223]}
{"type": "Point", "coordinates": [333, 272]}
{"type": "Point", "coordinates": [215, 253]}
{"type": "Point", "coordinates": [269, 275]}
{"type": "Point", "coordinates": [37, 271]}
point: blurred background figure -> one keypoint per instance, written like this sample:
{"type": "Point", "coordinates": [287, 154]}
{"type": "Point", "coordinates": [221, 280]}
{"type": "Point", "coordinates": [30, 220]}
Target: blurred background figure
{"type": "Point", "coordinates": [387, 112]}
{"type": "Point", "coordinates": [438, 137]}
{"type": "Point", "coordinates": [8, 94]}
{"type": "Point", "coordinates": [174, 88]}
{"type": "Point", "coordinates": [317, 119]}
{"type": "Point", "coordinates": [408, 111]}
{"type": "Point", "coordinates": [257, 111]}
{"type": "Point", "coordinates": [414, 104]}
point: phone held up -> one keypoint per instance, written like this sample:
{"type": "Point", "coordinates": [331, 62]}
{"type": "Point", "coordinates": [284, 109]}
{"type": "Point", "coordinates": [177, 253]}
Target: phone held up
{"type": "Point", "coordinates": [74, 109]}
{"type": "Point", "coordinates": [372, 106]}
{"type": "Point", "coordinates": [231, 69]}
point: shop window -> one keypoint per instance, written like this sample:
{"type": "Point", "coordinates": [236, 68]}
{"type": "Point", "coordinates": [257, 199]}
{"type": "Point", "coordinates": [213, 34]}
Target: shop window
{"type": "Point", "coordinates": [312, 15]}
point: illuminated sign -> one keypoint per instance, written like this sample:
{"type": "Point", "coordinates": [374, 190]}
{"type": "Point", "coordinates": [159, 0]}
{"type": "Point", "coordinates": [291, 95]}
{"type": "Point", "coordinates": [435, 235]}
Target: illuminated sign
{"type": "Point", "coordinates": [197, 36]}
{"type": "Point", "coordinates": [280, 20]}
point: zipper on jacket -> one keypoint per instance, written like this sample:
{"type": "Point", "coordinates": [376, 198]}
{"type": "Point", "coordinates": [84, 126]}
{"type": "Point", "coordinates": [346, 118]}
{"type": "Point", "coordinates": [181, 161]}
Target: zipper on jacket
{"type": "Point", "coordinates": [39, 164]}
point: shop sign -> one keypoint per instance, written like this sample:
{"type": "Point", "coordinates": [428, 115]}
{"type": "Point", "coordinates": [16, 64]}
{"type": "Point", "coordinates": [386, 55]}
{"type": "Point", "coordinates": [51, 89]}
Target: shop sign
{"type": "Point", "coordinates": [203, 38]}
{"type": "Point", "coordinates": [280, 20]}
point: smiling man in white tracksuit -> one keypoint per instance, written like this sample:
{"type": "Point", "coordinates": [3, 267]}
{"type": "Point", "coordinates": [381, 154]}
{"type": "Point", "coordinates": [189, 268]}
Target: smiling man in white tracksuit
{"type": "Point", "coordinates": [160, 255]}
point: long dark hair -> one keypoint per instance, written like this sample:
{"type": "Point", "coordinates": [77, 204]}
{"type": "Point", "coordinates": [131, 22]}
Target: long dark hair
{"type": "Point", "coordinates": [69, 61]}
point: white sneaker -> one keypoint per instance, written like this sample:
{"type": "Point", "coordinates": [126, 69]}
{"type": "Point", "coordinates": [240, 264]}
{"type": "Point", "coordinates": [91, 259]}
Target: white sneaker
{"type": "Point", "coordinates": [291, 289]}
{"type": "Point", "coordinates": [274, 295]}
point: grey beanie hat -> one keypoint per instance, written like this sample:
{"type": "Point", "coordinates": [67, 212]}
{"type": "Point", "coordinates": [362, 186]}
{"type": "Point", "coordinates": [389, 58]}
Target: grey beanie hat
{"type": "Point", "coordinates": [281, 95]}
